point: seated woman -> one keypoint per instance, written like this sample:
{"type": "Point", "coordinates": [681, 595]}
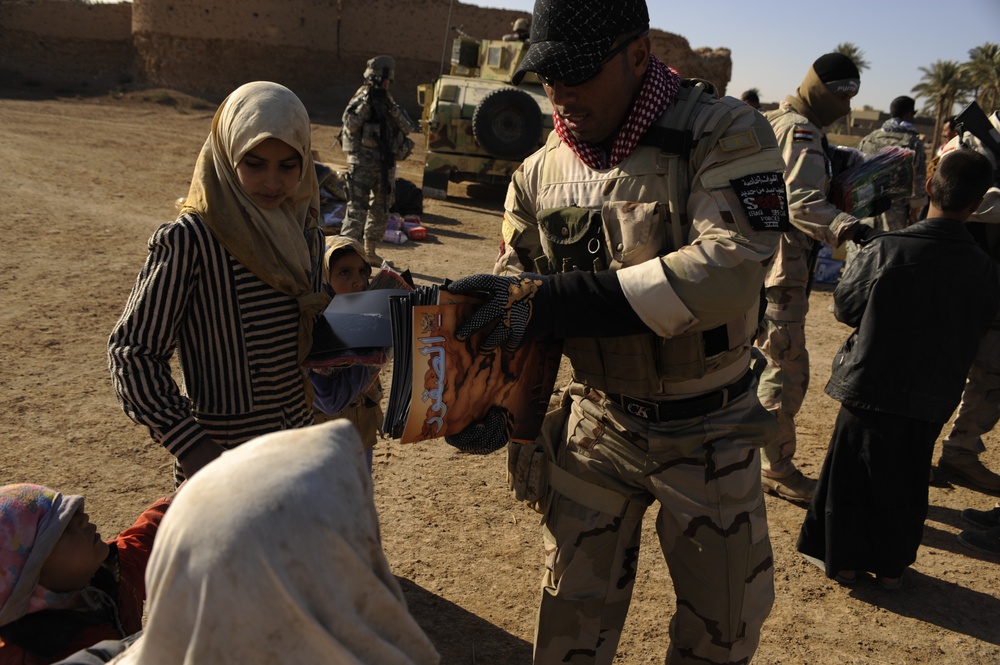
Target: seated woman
{"type": "Point", "coordinates": [271, 555]}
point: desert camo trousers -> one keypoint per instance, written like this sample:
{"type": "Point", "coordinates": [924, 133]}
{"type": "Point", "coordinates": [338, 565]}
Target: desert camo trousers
{"type": "Point", "coordinates": [370, 198]}
{"type": "Point", "coordinates": [783, 385]}
{"type": "Point", "coordinates": [980, 408]}
{"type": "Point", "coordinates": [711, 524]}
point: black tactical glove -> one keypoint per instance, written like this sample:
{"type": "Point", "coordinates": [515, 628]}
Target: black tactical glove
{"type": "Point", "coordinates": [863, 233]}
{"type": "Point", "coordinates": [484, 436]}
{"type": "Point", "coordinates": [880, 205]}
{"type": "Point", "coordinates": [511, 302]}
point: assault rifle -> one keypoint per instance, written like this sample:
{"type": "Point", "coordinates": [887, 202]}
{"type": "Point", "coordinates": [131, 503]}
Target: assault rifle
{"type": "Point", "coordinates": [973, 120]}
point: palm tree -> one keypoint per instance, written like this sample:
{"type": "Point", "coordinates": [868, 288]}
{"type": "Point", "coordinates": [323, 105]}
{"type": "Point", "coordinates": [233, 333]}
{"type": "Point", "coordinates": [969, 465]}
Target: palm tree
{"type": "Point", "coordinates": [856, 55]}
{"type": "Point", "coordinates": [943, 85]}
{"type": "Point", "coordinates": [983, 73]}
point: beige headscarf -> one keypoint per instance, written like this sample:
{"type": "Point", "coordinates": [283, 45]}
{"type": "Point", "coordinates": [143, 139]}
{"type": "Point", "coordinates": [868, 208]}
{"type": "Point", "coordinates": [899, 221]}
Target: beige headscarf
{"type": "Point", "coordinates": [273, 244]}
{"type": "Point", "coordinates": [271, 554]}
{"type": "Point", "coordinates": [333, 243]}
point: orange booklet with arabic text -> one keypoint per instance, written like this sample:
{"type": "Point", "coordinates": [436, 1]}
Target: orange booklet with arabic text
{"type": "Point", "coordinates": [451, 386]}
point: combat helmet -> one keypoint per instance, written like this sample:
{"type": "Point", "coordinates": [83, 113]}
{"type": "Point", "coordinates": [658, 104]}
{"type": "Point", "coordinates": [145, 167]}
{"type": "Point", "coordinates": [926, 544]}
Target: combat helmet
{"type": "Point", "coordinates": [522, 25]}
{"type": "Point", "coordinates": [380, 68]}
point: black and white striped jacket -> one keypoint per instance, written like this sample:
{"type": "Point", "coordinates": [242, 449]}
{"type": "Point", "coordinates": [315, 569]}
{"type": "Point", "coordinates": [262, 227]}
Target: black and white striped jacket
{"type": "Point", "coordinates": [236, 338]}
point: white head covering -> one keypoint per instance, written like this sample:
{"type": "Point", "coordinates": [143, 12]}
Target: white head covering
{"type": "Point", "coordinates": [271, 554]}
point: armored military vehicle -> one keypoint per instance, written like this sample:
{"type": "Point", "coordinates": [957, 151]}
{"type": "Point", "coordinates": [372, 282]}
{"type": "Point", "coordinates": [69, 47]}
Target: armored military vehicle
{"type": "Point", "coordinates": [479, 125]}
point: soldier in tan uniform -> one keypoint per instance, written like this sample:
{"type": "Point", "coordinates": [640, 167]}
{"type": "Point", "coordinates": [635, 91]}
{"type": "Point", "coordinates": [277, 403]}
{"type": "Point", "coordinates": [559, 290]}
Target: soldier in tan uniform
{"type": "Point", "coordinates": [980, 408]}
{"type": "Point", "coordinates": [823, 97]}
{"type": "Point", "coordinates": [640, 235]}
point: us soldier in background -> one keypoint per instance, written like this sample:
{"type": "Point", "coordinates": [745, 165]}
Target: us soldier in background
{"type": "Point", "coordinates": [823, 97]}
{"type": "Point", "coordinates": [980, 408]}
{"type": "Point", "coordinates": [899, 131]}
{"type": "Point", "coordinates": [522, 31]}
{"type": "Point", "coordinates": [650, 215]}
{"type": "Point", "coordinates": [374, 136]}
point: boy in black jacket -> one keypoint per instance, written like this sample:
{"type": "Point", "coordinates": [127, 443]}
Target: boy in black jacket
{"type": "Point", "coordinates": [919, 299]}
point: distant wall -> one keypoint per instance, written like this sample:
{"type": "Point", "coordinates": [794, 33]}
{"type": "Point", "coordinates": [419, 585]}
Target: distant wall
{"type": "Point", "coordinates": [86, 48]}
{"type": "Point", "coordinates": [316, 47]}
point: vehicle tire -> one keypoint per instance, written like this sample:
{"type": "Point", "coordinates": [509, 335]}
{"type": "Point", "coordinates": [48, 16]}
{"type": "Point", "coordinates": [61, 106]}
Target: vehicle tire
{"type": "Point", "coordinates": [507, 123]}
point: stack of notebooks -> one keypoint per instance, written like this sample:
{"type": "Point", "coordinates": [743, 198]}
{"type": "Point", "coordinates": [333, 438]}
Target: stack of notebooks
{"type": "Point", "coordinates": [440, 385]}
{"type": "Point", "coordinates": [886, 174]}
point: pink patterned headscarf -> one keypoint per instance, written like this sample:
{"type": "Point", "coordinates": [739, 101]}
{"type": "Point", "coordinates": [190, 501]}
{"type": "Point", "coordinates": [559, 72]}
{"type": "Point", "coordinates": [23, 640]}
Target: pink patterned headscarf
{"type": "Point", "coordinates": [657, 93]}
{"type": "Point", "coordinates": [32, 519]}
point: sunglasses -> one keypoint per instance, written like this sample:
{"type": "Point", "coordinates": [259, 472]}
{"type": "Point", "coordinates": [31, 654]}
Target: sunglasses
{"type": "Point", "coordinates": [580, 79]}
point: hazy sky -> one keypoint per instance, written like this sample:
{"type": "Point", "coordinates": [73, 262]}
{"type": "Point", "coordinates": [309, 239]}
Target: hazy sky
{"type": "Point", "coordinates": [773, 42]}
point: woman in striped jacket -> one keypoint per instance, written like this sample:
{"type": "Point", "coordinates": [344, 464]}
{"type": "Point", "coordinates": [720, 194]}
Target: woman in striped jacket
{"type": "Point", "coordinates": [232, 285]}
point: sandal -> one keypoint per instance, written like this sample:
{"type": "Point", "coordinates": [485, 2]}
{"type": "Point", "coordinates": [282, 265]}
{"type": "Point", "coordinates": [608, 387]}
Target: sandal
{"type": "Point", "coordinates": [890, 583]}
{"type": "Point", "coordinates": [846, 577]}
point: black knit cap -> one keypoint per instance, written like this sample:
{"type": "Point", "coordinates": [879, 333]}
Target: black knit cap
{"type": "Point", "coordinates": [838, 72]}
{"type": "Point", "coordinates": [569, 38]}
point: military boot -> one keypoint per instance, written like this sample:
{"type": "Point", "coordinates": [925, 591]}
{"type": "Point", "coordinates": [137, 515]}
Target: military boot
{"type": "Point", "coordinates": [793, 487]}
{"type": "Point", "coordinates": [987, 542]}
{"type": "Point", "coordinates": [374, 260]}
{"type": "Point", "coordinates": [966, 465]}
{"type": "Point", "coordinates": [983, 519]}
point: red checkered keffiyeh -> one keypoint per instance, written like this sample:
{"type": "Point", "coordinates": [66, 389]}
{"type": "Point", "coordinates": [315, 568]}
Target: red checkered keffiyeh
{"type": "Point", "coordinates": [657, 93]}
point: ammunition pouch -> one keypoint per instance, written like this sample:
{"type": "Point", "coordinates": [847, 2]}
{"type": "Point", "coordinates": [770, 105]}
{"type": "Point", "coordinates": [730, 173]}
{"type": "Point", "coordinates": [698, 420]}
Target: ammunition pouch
{"type": "Point", "coordinates": [621, 234]}
{"type": "Point", "coordinates": [371, 134]}
{"type": "Point", "coordinates": [572, 239]}
{"type": "Point", "coordinates": [402, 146]}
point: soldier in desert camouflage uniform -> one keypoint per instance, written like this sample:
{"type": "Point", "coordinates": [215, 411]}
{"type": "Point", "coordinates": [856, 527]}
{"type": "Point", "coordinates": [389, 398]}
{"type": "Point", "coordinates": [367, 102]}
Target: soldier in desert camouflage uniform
{"type": "Point", "coordinates": [374, 137]}
{"type": "Point", "coordinates": [658, 310]}
{"type": "Point", "coordinates": [823, 97]}
{"type": "Point", "coordinates": [899, 131]}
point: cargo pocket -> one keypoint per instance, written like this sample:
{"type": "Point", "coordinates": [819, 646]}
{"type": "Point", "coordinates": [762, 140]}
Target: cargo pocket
{"type": "Point", "coordinates": [635, 232]}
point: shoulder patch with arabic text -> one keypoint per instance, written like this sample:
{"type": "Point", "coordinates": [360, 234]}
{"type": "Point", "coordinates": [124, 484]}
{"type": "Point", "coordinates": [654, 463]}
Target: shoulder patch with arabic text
{"type": "Point", "coordinates": [764, 200]}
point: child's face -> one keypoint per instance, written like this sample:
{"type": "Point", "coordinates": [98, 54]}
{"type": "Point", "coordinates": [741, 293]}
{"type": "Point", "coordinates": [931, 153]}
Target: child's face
{"type": "Point", "coordinates": [349, 273]}
{"type": "Point", "coordinates": [78, 554]}
{"type": "Point", "coordinates": [269, 173]}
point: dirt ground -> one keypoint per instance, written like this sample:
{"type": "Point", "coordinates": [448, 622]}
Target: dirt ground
{"type": "Point", "coordinates": [84, 184]}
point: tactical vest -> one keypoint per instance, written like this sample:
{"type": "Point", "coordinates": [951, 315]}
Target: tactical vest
{"type": "Point", "coordinates": [581, 229]}
{"type": "Point", "coordinates": [875, 141]}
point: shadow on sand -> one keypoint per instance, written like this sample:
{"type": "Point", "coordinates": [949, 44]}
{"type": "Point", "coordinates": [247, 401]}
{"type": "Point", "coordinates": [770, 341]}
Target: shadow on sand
{"type": "Point", "coordinates": [462, 638]}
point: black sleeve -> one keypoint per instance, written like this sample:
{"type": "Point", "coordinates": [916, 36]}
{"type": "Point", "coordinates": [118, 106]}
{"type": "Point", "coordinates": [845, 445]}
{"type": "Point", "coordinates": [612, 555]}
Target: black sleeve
{"type": "Point", "coordinates": [586, 304]}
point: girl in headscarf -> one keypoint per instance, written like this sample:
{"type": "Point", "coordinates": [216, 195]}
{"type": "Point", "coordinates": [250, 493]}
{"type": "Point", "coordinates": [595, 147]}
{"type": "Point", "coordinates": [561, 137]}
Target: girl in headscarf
{"type": "Point", "coordinates": [346, 270]}
{"type": "Point", "coordinates": [272, 555]}
{"type": "Point", "coordinates": [233, 285]}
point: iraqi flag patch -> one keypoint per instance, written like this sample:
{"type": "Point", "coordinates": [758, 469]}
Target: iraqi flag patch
{"type": "Point", "coordinates": [802, 134]}
{"type": "Point", "coordinates": [764, 200]}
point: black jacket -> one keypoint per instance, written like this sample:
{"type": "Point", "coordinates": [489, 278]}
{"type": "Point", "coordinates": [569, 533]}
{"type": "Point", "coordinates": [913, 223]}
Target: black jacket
{"type": "Point", "coordinates": [920, 299]}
